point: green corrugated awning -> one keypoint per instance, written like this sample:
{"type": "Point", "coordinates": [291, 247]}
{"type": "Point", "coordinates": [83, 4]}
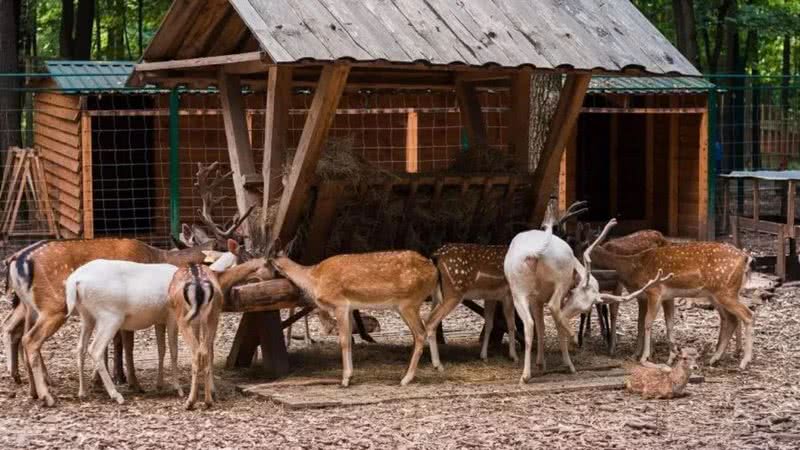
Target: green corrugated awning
{"type": "Point", "coordinates": [648, 85]}
{"type": "Point", "coordinates": [90, 76]}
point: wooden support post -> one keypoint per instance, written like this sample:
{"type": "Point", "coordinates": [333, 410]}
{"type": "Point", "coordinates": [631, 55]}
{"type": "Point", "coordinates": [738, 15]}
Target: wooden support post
{"type": "Point", "coordinates": [737, 239]}
{"type": "Point", "coordinates": [239, 150]}
{"type": "Point", "coordinates": [725, 204]}
{"type": "Point", "coordinates": [474, 225]}
{"type": "Point", "coordinates": [279, 99]}
{"type": "Point", "coordinates": [704, 231]}
{"type": "Point", "coordinates": [780, 253]}
{"type": "Point", "coordinates": [412, 142]}
{"type": "Point", "coordinates": [86, 174]}
{"type": "Point", "coordinates": [756, 202]}
{"type": "Point", "coordinates": [474, 125]}
{"type": "Point", "coordinates": [569, 166]}
{"type": "Point", "coordinates": [672, 158]}
{"type": "Point", "coordinates": [320, 118]}
{"type": "Point", "coordinates": [322, 221]}
{"type": "Point", "coordinates": [791, 195]}
{"type": "Point", "coordinates": [260, 329]}
{"type": "Point", "coordinates": [520, 126]}
{"type": "Point", "coordinates": [613, 165]}
{"type": "Point", "coordinates": [564, 120]}
{"type": "Point", "coordinates": [649, 164]}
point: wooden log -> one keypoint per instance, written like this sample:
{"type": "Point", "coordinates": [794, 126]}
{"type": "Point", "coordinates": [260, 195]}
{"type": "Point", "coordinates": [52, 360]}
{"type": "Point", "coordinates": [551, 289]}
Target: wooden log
{"type": "Point", "coordinates": [267, 295]}
{"type": "Point", "coordinates": [315, 131]}
{"type": "Point", "coordinates": [564, 120]}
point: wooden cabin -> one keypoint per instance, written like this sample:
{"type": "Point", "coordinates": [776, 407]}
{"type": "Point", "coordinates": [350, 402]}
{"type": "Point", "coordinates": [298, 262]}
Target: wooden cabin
{"type": "Point", "coordinates": [640, 153]}
{"type": "Point", "coordinates": [336, 46]}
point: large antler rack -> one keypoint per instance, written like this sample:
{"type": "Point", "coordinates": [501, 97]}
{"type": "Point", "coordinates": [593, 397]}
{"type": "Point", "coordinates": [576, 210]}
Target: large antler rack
{"type": "Point", "coordinates": [208, 180]}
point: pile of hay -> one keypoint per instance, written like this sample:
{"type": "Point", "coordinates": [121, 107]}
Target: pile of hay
{"type": "Point", "coordinates": [340, 162]}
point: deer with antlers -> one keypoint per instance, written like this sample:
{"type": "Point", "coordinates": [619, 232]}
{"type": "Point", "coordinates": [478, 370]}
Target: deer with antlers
{"type": "Point", "coordinates": [713, 270]}
{"type": "Point", "coordinates": [541, 269]}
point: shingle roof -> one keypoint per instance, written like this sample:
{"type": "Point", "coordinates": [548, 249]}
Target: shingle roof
{"type": "Point", "coordinates": [90, 76]}
{"type": "Point", "coordinates": [609, 35]}
{"type": "Point", "coordinates": [648, 85]}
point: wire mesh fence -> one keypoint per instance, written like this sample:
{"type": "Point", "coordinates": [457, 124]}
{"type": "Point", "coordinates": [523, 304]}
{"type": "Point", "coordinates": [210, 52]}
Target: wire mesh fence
{"type": "Point", "coordinates": [111, 161]}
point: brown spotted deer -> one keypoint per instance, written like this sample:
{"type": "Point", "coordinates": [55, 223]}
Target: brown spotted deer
{"type": "Point", "coordinates": [663, 382]}
{"type": "Point", "coordinates": [542, 269]}
{"type": "Point", "coordinates": [398, 280]}
{"type": "Point", "coordinates": [196, 295]}
{"type": "Point", "coordinates": [713, 270]}
{"type": "Point", "coordinates": [471, 271]}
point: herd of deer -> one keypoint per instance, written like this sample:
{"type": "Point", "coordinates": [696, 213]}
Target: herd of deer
{"type": "Point", "coordinates": [121, 285]}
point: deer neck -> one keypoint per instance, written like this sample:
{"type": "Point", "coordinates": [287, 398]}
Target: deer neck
{"type": "Point", "coordinates": [301, 277]}
{"type": "Point", "coordinates": [679, 374]}
{"type": "Point", "coordinates": [191, 255]}
{"type": "Point", "coordinates": [239, 273]}
{"type": "Point", "coordinates": [623, 264]}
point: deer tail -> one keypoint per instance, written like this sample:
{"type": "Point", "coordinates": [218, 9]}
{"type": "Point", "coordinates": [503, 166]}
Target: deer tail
{"type": "Point", "coordinates": [72, 295]}
{"type": "Point", "coordinates": [196, 292]}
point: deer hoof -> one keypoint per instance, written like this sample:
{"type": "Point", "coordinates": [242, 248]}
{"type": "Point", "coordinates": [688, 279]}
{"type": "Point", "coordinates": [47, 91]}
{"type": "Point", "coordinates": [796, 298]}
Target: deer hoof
{"type": "Point", "coordinates": [48, 400]}
{"type": "Point", "coordinates": [524, 379]}
{"type": "Point", "coordinates": [118, 398]}
{"type": "Point", "coordinates": [406, 380]}
{"type": "Point", "coordinates": [17, 379]}
{"type": "Point", "coordinates": [743, 365]}
{"type": "Point", "coordinates": [208, 404]}
{"type": "Point", "coordinates": [345, 382]}
{"type": "Point", "coordinates": [189, 405]}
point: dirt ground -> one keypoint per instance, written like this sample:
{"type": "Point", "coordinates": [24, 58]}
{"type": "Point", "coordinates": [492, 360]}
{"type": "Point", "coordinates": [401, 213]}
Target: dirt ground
{"type": "Point", "coordinates": [758, 408]}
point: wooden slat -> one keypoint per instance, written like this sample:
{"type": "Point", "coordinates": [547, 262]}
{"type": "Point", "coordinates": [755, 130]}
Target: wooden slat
{"type": "Point", "coordinates": [562, 124]}
{"type": "Point", "coordinates": [59, 112]}
{"type": "Point", "coordinates": [239, 150]}
{"type": "Point", "coordinates": [62, 197]}
{"type": "Point", "coordinates": [69, 223]}
{"type": "Point", "coordinates": [703, 229]}
{"type": "Point", "coordinates": [204, 30]}
{"type": "Point", "coordinates": [86, 172]}
{"type": "Point", "coordinates": [68, 139]}
{"type": "Point", "coordinates": [68, 151]}
{"type": "Point", "coordinates": [520, 127]}
{"type": "Point", "coordinates": [315, 131]}
{"type": "Point", "coordinates": [412, 142]}
{"type": "Point", "coordinates": [200, 63]}
{"type": "Point", "coordinates": [59, 99]}
{"type": "Point", "coordinates": [279, 99]}
{"type": "Point", "coordinates": [70, 177]}
{"type": "Point", "coordinates": [57, 158]}
{"type": "Point", "coordinates": [672, 160]}
{"type": "Point", "coordinates": [649, 165]}
{"type": "Point", "coordinates": [618, 110]}
{"type": "Point", "coordinates": [230, 37]}
{"type": "Point", "coordinates": [58, 184]}
{"type": "Point", "coordinates": [44, 120]}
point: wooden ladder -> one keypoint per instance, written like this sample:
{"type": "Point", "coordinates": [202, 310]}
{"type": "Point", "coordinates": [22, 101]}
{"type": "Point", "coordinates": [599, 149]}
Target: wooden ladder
{"type": "Point", "coordinates": [23, 176]}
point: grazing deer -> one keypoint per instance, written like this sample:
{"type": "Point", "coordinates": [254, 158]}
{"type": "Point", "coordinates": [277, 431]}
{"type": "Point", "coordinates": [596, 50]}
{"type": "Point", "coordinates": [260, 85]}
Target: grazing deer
{"type": "Point", "coordinates": [471, 271]}
{"type": "Point", "coordinates": [399, 280]}
{"type": "Point", "coordinates": [196, 294]}
{"type": "Point", "coordinates": [541, 269]}
{"type": "Point", "coordinates": [703, 269]}
{"type": "Point", "coordinates": [629, 245]}
{"type": "Point", "coordinates": [663, 383]}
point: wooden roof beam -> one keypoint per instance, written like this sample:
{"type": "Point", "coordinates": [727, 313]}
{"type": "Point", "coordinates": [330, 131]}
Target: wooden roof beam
{"type": "Point", "coordinates": [193, 64]}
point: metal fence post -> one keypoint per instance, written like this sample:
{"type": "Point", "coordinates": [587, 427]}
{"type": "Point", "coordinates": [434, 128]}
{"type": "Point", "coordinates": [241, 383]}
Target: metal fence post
{"type": "Point", "coordinates": [712, 160]}
{"type": "Point", "coordinates": [174, 164]}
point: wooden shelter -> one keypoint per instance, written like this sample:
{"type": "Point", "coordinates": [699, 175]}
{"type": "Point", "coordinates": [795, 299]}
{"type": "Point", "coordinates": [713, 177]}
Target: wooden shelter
{"type": "Point", "coordinates": [339, 45]}
{"type": "Point", "coordinates": [640, 153]}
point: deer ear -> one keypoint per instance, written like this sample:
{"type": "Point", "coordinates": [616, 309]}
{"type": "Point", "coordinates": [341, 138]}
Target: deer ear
{"type": "Point", "coordinates": [233, 246]}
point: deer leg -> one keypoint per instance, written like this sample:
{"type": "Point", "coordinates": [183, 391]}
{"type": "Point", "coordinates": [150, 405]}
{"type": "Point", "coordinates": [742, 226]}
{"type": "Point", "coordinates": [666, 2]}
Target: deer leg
{"type": "Point", "coordinates": [172, 338]}
{"type": "Point", "coordinates": [508, 312]}
{"type": "Point", "coordinates": [288, 331]}
{"type": "Point", "coordinates": [522, 306]}
{"type": "Point", "coordinates": [669, 322]}
{"type": "Point", "coordinates": [489, 307]}
{"type": "Point", "coordinates": [119, 349]}
{"type": "Point", "coordinates": [538, 319]}
{"type": "Point", "coordinates": [13, 329]}
{"type": "Point", "coordinates": [727, 325]}
{"type": "Point", "coordinates": [612, 331]}
{"type": "Point", "coordinates": [650, 316]}
{"type": "Point", "coordinates": [161, 346]}
{"type": "Point", "coordinates": [190, 333]}
{"type": "Point", "coordinates": [343, 317]}
{"type": "Point", "coordinates": [581, 327]}
{"type": "Point", "coordinates": [362, 332]}
{"type": "Point", "coordinates": [87, 327]}
{"type": "Point", "coordinates": [642, 312]}
{"type": "Point", "coordinates": [451, 299]}
{"type": "Point", "coordinates": [410, 315]}
{"type": "Point", "coordinates": [46, 325]}
{"type": "Point", "coordinates": [127, 346]}
{"type": "Point", "coordinates": [307, 337]}
{"type": "Point", "coordinates": [602, 319]}
{"type": "Point", "coordinates": [211, 390]}
{"type": "Point", "coordinates": [105, 333]}
{"type": "Point", "coordinates": [30, 320]}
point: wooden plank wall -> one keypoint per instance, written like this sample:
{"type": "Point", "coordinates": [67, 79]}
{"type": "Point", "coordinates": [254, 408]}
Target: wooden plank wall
{"type": "Point", "coordinates": [57, 136]}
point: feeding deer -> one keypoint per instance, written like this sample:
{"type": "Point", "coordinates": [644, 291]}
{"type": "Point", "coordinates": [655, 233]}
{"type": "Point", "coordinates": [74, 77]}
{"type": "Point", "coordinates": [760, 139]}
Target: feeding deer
{"type": "Point", "coordinates": [111, 295]}
{"type": "Point", "coordinates": [195, 295]}
{"type": "Point", "coordinates": [541, 269]}
{"type": "Point", "coordinates": [471, 271]}
{"type": "Point", "coordinates": [629, 245]}
{"type": "Point", "coordinates": [39, 273]}
{"type": "Point", "coordinates": [703, 269]}
{"type": "Point", "coordinates": [399, 280]}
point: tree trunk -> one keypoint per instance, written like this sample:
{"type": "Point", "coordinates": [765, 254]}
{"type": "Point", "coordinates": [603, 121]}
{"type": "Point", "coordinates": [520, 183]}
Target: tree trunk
{"type": "Point", "coordinates": [686, 30]}
{"type": "Point", "coordinates": [9, 62]}
{"type": "Point", "coordinates": [786, 71]}
{"type": "Point", "coordinates": [545, 89]}
{"type": "Point", "coordinates": [83, 30]}
{"type": "Point", "coordinates": [66, 47]}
